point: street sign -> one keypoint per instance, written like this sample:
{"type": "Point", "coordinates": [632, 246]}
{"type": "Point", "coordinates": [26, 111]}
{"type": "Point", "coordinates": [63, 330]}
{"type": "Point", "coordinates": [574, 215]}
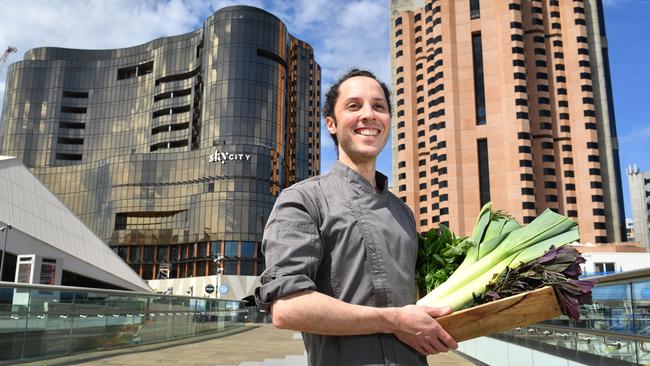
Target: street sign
{"type": "Point", "coordinates": [209, 288]}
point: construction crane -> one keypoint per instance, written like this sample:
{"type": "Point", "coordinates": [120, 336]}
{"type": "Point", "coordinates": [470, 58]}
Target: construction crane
{"type": "Point", "coordinates": [6, 54]}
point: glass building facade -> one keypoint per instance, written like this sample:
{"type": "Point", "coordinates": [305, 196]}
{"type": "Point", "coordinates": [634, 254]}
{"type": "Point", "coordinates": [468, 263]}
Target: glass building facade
{"type": "Point", "coordinates": [173, 151]}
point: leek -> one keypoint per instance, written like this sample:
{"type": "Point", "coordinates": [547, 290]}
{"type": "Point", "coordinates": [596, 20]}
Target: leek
{"type": "Point", "coordinates": [512, 246]}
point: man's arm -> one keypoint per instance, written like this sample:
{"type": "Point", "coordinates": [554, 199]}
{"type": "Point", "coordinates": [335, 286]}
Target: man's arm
{"type": "Point", "coordinates": [314, 312]}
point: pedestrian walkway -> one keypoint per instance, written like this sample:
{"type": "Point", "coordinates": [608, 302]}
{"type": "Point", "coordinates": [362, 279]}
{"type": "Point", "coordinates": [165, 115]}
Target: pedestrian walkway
{"type": "Point", "coordinates": [255, 346]}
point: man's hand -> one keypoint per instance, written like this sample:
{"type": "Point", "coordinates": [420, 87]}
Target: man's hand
{"type": "Point", "coordinates": [418, 328]}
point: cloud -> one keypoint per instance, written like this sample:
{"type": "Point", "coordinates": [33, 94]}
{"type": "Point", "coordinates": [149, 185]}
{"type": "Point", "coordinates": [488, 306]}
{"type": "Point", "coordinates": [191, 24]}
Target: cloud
{"type": "Point", "coordinates": [640, 134]}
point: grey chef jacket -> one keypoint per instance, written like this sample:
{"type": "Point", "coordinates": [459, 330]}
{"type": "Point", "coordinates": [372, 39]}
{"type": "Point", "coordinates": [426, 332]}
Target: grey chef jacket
{"type": "Point", "coordinates": [336, 235]}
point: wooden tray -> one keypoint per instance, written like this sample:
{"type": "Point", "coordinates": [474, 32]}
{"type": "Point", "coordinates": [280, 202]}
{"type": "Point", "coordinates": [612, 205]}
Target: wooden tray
{"type": "Point", "coordinates": [498, 316]}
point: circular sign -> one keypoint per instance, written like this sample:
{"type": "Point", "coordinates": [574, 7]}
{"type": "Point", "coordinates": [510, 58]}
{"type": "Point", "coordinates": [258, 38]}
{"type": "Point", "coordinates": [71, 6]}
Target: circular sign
{"type": "Point", "coordinates": [209, 288]}
{"type": "Point", "coordinates": [223, 289]}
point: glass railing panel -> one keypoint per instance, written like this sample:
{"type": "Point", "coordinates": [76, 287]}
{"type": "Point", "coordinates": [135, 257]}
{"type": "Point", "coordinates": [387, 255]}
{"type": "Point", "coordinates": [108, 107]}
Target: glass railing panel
{"type": "Point", "coordinates": [159, 317]}
{"type": "Point", "coordinates": [611, 309]}
{"type": "Point", "coordinates": [13, 323]}
{"type": "Point", "coordinates": [48, 321]}
{"type": "Point", "coordinates": [643, 352]}
{"type": "Point", "coordinates": [180, 317]}
{"type": "Point", "coordinates": [641, 307]}
{"type": "Point", "coordinates": [88, 322]}
{"type": "Point", "coordinates": [124, 320]}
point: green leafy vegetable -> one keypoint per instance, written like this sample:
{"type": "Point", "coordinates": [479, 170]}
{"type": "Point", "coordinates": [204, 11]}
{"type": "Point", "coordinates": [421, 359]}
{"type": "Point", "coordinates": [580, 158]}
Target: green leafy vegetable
{"type": "Point", "coordinates": [558, 267]}
{"type": "Point", "coordinates": [439, 254]}
{"type": "Point", "coordinates": [508, 245]}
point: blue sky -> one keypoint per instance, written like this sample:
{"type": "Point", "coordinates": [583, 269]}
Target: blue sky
{"type": "Point", "coordinates": [343, 33]}
{"type": "Point", "coordinates": [628, 36]}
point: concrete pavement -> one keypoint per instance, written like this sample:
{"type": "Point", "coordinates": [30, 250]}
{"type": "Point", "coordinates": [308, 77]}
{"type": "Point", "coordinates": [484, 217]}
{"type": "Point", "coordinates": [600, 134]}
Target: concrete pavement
{"type": "Point", "coordinates": [253, 346]}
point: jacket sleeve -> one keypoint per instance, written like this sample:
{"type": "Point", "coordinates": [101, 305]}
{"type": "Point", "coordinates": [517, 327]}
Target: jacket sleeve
{"type": "Point", "coordinates": [292, 249]}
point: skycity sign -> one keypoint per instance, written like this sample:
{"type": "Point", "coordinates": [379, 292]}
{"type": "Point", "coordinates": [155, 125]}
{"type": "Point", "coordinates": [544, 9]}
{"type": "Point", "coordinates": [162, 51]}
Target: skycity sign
{"type": "Point", "coordinates": [223, 157]}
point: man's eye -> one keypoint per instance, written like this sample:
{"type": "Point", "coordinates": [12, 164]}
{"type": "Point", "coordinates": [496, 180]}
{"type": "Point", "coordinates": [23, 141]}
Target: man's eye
{"type": "Point", "coordinates": [380, 107]}
{"type": "Point", "coordinates": [353, 106]}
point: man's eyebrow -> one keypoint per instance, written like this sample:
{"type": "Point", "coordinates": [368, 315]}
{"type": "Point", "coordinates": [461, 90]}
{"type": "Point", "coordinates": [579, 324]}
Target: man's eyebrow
{"type": "Point", "coordinates": [354, 99]}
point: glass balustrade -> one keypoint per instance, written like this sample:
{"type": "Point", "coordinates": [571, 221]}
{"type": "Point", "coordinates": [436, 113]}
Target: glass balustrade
{"type": "Point", "coordinates": [615, 326]}
{"type": "Point", "coordinates": [47, 321]}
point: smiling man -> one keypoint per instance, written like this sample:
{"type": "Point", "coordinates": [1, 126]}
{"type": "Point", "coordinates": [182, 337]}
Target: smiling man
{"type": "Point", "coordinates": [341, 249]}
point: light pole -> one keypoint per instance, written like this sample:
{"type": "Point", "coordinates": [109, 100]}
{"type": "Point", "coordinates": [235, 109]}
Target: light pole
{"type": "Point", "coordinates": [4, 229]}
{"type": "Point", "coordinates": [219, 260]}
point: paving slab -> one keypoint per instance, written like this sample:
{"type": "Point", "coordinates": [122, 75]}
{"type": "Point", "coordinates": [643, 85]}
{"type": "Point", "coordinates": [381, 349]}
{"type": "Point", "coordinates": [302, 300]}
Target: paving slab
{"type": "Point", "coordinates": [257, 345]}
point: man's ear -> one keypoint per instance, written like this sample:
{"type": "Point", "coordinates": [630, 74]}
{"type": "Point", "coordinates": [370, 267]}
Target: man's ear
{"type": "Point", "coordinates": [330, 123]}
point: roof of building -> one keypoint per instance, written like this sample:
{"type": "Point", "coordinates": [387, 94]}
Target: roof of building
{"type": "Point", "coordinates": [30, 208]}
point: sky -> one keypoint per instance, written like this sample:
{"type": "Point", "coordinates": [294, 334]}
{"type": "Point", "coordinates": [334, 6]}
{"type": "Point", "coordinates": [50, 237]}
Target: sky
{"type": "Point", "coordinates": [344, 34]}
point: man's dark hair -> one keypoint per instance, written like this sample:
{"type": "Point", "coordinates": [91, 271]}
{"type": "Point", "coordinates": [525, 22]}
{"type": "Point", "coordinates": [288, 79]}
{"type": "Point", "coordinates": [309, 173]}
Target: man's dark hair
{"type": "Point", "coordinates": [333, 94]}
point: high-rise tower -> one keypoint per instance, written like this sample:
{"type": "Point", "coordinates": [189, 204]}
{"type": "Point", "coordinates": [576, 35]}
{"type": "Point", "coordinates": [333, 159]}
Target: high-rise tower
{"type": "Point", "coordinates": [639, 186]}
{"type": "Point", "coordinates": [172, 151]}
{"type": "Point", "coordinates": [506, 101]}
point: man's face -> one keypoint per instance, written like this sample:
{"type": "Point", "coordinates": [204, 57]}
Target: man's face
{"type": "Point", "coordinates": [362, 120]}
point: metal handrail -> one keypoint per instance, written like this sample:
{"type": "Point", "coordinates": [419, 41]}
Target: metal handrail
{"type": "Point", "coordinates": [31, 286]}
{"type": "Point", "coordinates": [594, 332]}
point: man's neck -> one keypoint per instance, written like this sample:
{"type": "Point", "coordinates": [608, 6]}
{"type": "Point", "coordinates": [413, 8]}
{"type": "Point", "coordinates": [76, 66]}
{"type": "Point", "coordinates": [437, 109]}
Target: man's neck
{"type": "Point", "coordinates": [366, 169]}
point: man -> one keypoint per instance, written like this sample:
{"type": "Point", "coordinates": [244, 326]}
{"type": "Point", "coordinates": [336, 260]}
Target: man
{"type": "Point", "coordinates": [341, 250]}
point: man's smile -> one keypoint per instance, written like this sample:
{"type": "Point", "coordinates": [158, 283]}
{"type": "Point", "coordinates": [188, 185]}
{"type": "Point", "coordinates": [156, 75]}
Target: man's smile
{"type": "Point", "coordinates": [367, 131]}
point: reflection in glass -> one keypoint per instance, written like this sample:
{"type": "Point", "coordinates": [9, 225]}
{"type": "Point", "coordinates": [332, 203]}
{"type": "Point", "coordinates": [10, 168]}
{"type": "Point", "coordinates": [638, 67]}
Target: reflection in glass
{"type": "Point", "coordinates": [128, 147]}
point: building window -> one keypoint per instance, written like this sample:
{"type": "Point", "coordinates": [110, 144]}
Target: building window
{"type": "Point", "coordinates": [474, 9]}
{"type": "Point", "coordinates": [593, 158]}
{"type": "Point", "coordinates": [483, 171]}
{"type": "Point", "coordinates": [604, 267]}
{"type": "Point", "coordinates": [550, 185]}
{"type": "Point", "coordinates": [517, 37]}
{"type": "Point", "coordinates": [551, 198]}
{"type": "Point", "coordinates": [528, 205]}
{"type": "Point", "coordinates": [548, 158]}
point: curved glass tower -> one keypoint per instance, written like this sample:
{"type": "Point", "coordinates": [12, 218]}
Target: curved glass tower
{"type": "Point", "coordinates": [174, 150]}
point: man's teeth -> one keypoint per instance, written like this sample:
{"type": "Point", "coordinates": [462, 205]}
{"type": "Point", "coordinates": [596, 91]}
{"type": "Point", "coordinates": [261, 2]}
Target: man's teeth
{"type": "Point", "coordinates": [368, 132]}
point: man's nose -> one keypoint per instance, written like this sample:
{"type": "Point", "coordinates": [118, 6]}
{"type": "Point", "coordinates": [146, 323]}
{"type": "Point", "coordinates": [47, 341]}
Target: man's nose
{"type": "Point", "coordinates": [366, 112]}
